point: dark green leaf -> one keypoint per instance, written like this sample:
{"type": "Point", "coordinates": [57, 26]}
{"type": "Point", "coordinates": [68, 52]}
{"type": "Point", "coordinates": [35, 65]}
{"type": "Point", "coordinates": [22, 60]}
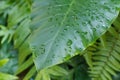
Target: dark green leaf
{"type": "Point", "coordinates": [81, 73]}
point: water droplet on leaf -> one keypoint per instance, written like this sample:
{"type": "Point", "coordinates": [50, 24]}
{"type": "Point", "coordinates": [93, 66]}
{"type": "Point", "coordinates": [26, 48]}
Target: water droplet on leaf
{"type": "Point", "coordinates": [69, 43]}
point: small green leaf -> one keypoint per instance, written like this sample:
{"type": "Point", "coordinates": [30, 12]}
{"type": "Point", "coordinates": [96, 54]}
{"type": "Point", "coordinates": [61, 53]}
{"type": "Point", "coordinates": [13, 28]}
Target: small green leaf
{"type": "Point", "coordinates": [43, 75]}
{"type": "Point", "coordinates": [6, 34]}
{"type": "Point", "coordinates": [113, 66]}
{"type": "Point", "coordinates": [88, 58]}
{"type": "Point", "coordinates": [107, 75]}
{"type": "Point", "coordinates": [3, 62]}
{"type": "Point", "coordinates": [30, 73]}
{"type": "Point", "coordinates": [57, 71]}
{"type": "Point", "coordinates": [25, 65]}
{"type": "Point", "coordinates": [110, 70]}
{"type": "Point", "coordinates": [4, 76]}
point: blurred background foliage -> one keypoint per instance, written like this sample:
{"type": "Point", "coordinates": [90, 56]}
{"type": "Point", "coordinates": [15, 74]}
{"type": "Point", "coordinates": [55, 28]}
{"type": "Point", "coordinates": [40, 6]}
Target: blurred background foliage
{"type": "Point", "coordinates": [74, 69]}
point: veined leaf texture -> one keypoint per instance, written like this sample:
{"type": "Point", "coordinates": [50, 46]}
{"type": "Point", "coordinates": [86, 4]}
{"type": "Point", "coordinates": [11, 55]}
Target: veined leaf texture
{"type": "Point", "coordinates": [57, 30]}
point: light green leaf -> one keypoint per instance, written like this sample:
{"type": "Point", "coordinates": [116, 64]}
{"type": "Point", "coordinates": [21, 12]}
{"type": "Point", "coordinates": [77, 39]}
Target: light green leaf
{"type": "Point", "coordinates": [107, 75]}
{"type": "Point", "coordinates": [88, 58]}
{"type": "Point", "coordinates": [116, 55]}
{"type": "Point", "coordinates": [111, 71]}
{"type": "Point", "coordinates": [18, 13]}
{"type": "Point", "coordinates": [114, 61]}
{"type": "Point", "coordinates": [113, 66]}
{"type": "Point", "coordinates": [61, 29]}
{"type": "Point", "coordinates": [102, 77]}
{"type": "Point", "coordinates": [3, 62]}
{"type": "Point", "coordinates": [24, 51]}
{"type": "Point", "coordinates": [57, 71]}
{"type": "Point", "coordinates": [24, 66]}
{"type": "Point", "coordinates": [6, 34]}
{"type": "Point", "coordinates": [4, 76]}
{"type": "Point", "coordinates": [3, 5]}
{"type": "Point", "coordinates": [30, 73]}
{"type": "Point", "coordinates": [19, 36]}
{"type": "Point", "coordinates": [43, 75]}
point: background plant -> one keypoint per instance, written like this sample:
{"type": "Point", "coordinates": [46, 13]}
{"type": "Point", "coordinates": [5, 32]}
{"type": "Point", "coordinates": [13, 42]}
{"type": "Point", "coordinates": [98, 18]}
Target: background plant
{"type": "Point", "coordinates": [49, 32]}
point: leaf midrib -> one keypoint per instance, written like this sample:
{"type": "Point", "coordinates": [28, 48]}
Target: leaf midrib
{"type": "Point", "coordinates": [61, 25]}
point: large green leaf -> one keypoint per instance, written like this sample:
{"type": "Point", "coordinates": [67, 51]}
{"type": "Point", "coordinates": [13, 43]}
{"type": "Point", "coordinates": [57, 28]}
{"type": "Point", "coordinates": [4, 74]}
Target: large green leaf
{"type": "Point", "coordinates": [62, 29]}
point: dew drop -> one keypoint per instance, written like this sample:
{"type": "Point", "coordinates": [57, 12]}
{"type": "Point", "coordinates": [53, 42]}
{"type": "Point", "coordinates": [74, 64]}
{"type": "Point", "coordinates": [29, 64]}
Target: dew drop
{"type": "Point", "coordinates": [56, 19]}
{"type": "Point", "coordinates": [53, 56]}
{"type": "Point", "coordinates": [68, 26]}
{"type": "Point", "coordinates": [65, 29]}
{"type": "Point", "coordinates": [42, 49]}
{"type": "Point", "coordinates": [67, 57]}
{"type": "Point", "coordinates": [94, 29]}
{"type": "Point", "coordinates": [51, 31]}
{"type": "Point", "coordinates": [69, 43]}
{"type": "Point", "coordinates": [84, 33]}
{"type": "Point", "coordinates": [65, 49]}
{"type": "Point", "coordinates": [33, 47]}
{"type": "Point", "coordinates": [57, 45]}
{"type": "Point", "coordinates": [62, 34]}
{"type": "Point", "coordinates": [50, 19]}
{"type": "Point", "coordinates": [69, 50]}
{"type": "Point", "coordinates": [84, 23]}
{"type": "Point", "coordinates": [78, 32]}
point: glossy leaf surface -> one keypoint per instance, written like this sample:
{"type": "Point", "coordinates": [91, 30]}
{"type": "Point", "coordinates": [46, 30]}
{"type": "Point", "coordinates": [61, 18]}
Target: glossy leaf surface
{"type": "Point", "coordinates": [61, 29]}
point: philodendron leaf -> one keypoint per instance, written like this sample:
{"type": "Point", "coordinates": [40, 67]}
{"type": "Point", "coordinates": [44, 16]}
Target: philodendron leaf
{"type": "Point", "coordinates": [63, 28]}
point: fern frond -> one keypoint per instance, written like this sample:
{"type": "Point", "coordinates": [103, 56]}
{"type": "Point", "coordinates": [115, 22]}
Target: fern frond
{"type": "Point", "coordinates": [105, 58]}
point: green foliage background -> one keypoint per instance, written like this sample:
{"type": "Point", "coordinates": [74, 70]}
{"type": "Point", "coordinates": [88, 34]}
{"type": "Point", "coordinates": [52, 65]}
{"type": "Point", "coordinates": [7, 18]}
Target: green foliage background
{"type": "Point", "coordinates": [59, 40]}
